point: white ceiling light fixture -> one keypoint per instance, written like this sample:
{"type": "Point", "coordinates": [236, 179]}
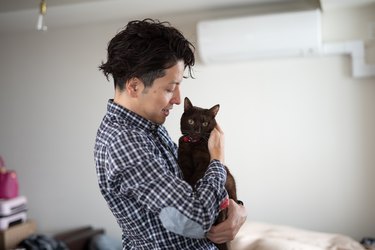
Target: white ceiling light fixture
{"type": "Point", "coordinates": [40, 25]}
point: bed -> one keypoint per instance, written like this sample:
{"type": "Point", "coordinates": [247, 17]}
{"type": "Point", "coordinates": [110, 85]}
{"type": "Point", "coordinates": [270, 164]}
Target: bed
{"type": "Point", "coordinates": [263, 236]}
{"type": "Point", "coordinates": [252, 236]}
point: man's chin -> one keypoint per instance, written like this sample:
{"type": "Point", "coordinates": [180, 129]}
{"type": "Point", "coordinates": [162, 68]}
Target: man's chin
{"type": "Point", "coordinates": [159, 120]}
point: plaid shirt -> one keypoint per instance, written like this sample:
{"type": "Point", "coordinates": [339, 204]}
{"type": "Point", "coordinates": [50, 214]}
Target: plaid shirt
{"type": "Point", "coordinates": [138, 175]}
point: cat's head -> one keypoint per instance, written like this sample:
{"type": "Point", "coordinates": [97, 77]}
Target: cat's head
{"type": "Point", "coordinates": [198, 122]}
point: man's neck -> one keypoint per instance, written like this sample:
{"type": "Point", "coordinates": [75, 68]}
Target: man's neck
{"type": "Point", "coordinates": [122, 100]}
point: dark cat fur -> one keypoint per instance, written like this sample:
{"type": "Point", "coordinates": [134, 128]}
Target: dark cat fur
{"type": "Point", "coordinates": [193, 155]}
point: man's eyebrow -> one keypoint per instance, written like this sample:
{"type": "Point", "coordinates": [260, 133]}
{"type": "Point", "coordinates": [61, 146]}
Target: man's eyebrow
{"type": "Point", "coordinates": [174, 82]}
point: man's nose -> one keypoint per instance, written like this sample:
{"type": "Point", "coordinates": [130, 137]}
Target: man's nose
{"type": "Point", "coordinates": [176, 96]}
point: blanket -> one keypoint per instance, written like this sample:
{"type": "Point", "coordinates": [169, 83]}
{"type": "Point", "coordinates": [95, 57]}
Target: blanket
{"type": "Point", "coordinates": [262, 236]}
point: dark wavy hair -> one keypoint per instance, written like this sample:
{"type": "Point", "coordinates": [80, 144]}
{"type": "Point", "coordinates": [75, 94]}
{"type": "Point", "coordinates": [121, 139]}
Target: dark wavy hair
{"type": "Point", "coordinates": [145, 49]}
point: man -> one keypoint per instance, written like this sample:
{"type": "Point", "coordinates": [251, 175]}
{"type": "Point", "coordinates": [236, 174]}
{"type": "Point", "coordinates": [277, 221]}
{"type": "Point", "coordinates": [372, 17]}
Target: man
{"type": "Point", "coordinates": [135, 158]}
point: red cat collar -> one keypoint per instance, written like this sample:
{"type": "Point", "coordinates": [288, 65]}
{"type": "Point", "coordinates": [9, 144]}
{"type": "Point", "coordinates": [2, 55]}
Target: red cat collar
{"type": "Point", "coordinates": [187, 138]}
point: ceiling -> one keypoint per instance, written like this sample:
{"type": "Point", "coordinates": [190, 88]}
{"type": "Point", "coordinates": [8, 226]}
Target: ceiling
{"type": "Point", "coordinates": [142, 5]}
{"type": "Point", "coordinates": [21, 15]}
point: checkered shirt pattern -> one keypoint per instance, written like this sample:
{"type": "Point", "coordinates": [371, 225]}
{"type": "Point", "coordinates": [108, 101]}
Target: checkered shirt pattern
{"type": "Point", "coordinates": [138, 175]}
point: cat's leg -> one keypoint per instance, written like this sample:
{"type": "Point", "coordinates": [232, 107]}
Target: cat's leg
{"type": "Point", "coordinates": [222, 246]}
{"type": "Point", "coordinates": [221, 217]}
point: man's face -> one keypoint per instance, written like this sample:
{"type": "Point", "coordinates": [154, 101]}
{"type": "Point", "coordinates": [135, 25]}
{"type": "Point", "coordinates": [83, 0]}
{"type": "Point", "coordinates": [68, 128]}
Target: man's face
{"type": "Point", "coordinates": [155, 102]}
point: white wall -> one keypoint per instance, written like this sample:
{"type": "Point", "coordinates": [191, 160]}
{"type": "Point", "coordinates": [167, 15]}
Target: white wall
{"type": "Point", "coordinates": [299, 131]}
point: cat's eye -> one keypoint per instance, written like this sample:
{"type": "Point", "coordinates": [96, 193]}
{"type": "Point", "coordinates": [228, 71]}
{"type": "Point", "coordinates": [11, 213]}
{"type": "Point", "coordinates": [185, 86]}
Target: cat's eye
{"type": "Point", "coordinates": [205, 124]}
{"type": "Point", "coordinates": [191, 121]}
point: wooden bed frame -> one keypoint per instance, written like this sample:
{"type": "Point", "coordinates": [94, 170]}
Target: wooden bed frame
{"type": "Point", "coordinates": [79, 238]}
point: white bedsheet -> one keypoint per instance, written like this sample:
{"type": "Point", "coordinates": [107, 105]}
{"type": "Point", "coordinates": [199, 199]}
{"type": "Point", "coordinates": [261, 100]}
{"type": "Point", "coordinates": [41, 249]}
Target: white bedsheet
{"type": "Point", "coordinates": [262, 236]}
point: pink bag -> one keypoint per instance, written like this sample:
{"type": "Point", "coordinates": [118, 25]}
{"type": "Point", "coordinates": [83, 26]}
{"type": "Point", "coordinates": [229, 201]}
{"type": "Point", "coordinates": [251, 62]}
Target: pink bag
{"type": "Point", "coordinates": [8, 182]}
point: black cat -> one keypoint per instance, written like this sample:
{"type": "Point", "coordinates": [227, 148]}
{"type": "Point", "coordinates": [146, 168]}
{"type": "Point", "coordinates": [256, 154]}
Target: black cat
{"type": "Point", "coordinates": [193, 155]}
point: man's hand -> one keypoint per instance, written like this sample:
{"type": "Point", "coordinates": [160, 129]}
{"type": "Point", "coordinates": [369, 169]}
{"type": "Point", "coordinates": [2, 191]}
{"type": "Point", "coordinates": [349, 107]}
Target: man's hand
{"type": "Point", "coordinates": [216, 144]}
{"type": "Point", "coordinates": [228, 229]}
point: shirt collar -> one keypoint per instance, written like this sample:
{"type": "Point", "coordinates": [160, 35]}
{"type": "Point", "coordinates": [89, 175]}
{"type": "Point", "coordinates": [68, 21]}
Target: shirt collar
{"type": "Point", "coordinates": [128, 117]}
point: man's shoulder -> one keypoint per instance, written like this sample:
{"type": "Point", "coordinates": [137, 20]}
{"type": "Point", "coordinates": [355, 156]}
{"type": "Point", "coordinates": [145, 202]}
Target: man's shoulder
{"type": "Point", "coordinates": [114, 132]}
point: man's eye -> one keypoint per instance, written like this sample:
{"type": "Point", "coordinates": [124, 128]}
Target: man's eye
{"type": "Point", "coordinates": [190, 121]}
{"type": "Point", "coordinates": [170, 90]}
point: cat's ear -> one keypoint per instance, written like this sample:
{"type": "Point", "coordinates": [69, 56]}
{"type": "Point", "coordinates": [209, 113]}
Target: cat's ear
{"type": "Point", "coordinates": [187, 104]}
{"type": "Point", "coordinates": [215, 109]}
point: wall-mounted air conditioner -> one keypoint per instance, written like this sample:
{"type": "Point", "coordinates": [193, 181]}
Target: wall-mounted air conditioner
{"type": "Point", "coordinates": [262, 36]}
{"type": "Point", "coordinates": [273, 36]}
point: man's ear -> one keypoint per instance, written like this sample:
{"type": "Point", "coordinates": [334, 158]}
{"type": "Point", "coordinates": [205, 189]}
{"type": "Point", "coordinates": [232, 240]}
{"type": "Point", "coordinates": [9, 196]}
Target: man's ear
{"type": "Point", "coordinates": [133, 86]}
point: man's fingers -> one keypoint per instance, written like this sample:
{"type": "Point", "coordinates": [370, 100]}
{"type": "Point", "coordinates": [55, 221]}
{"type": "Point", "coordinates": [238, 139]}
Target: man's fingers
{"type": "Point", "coordinates": [219, 128]}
